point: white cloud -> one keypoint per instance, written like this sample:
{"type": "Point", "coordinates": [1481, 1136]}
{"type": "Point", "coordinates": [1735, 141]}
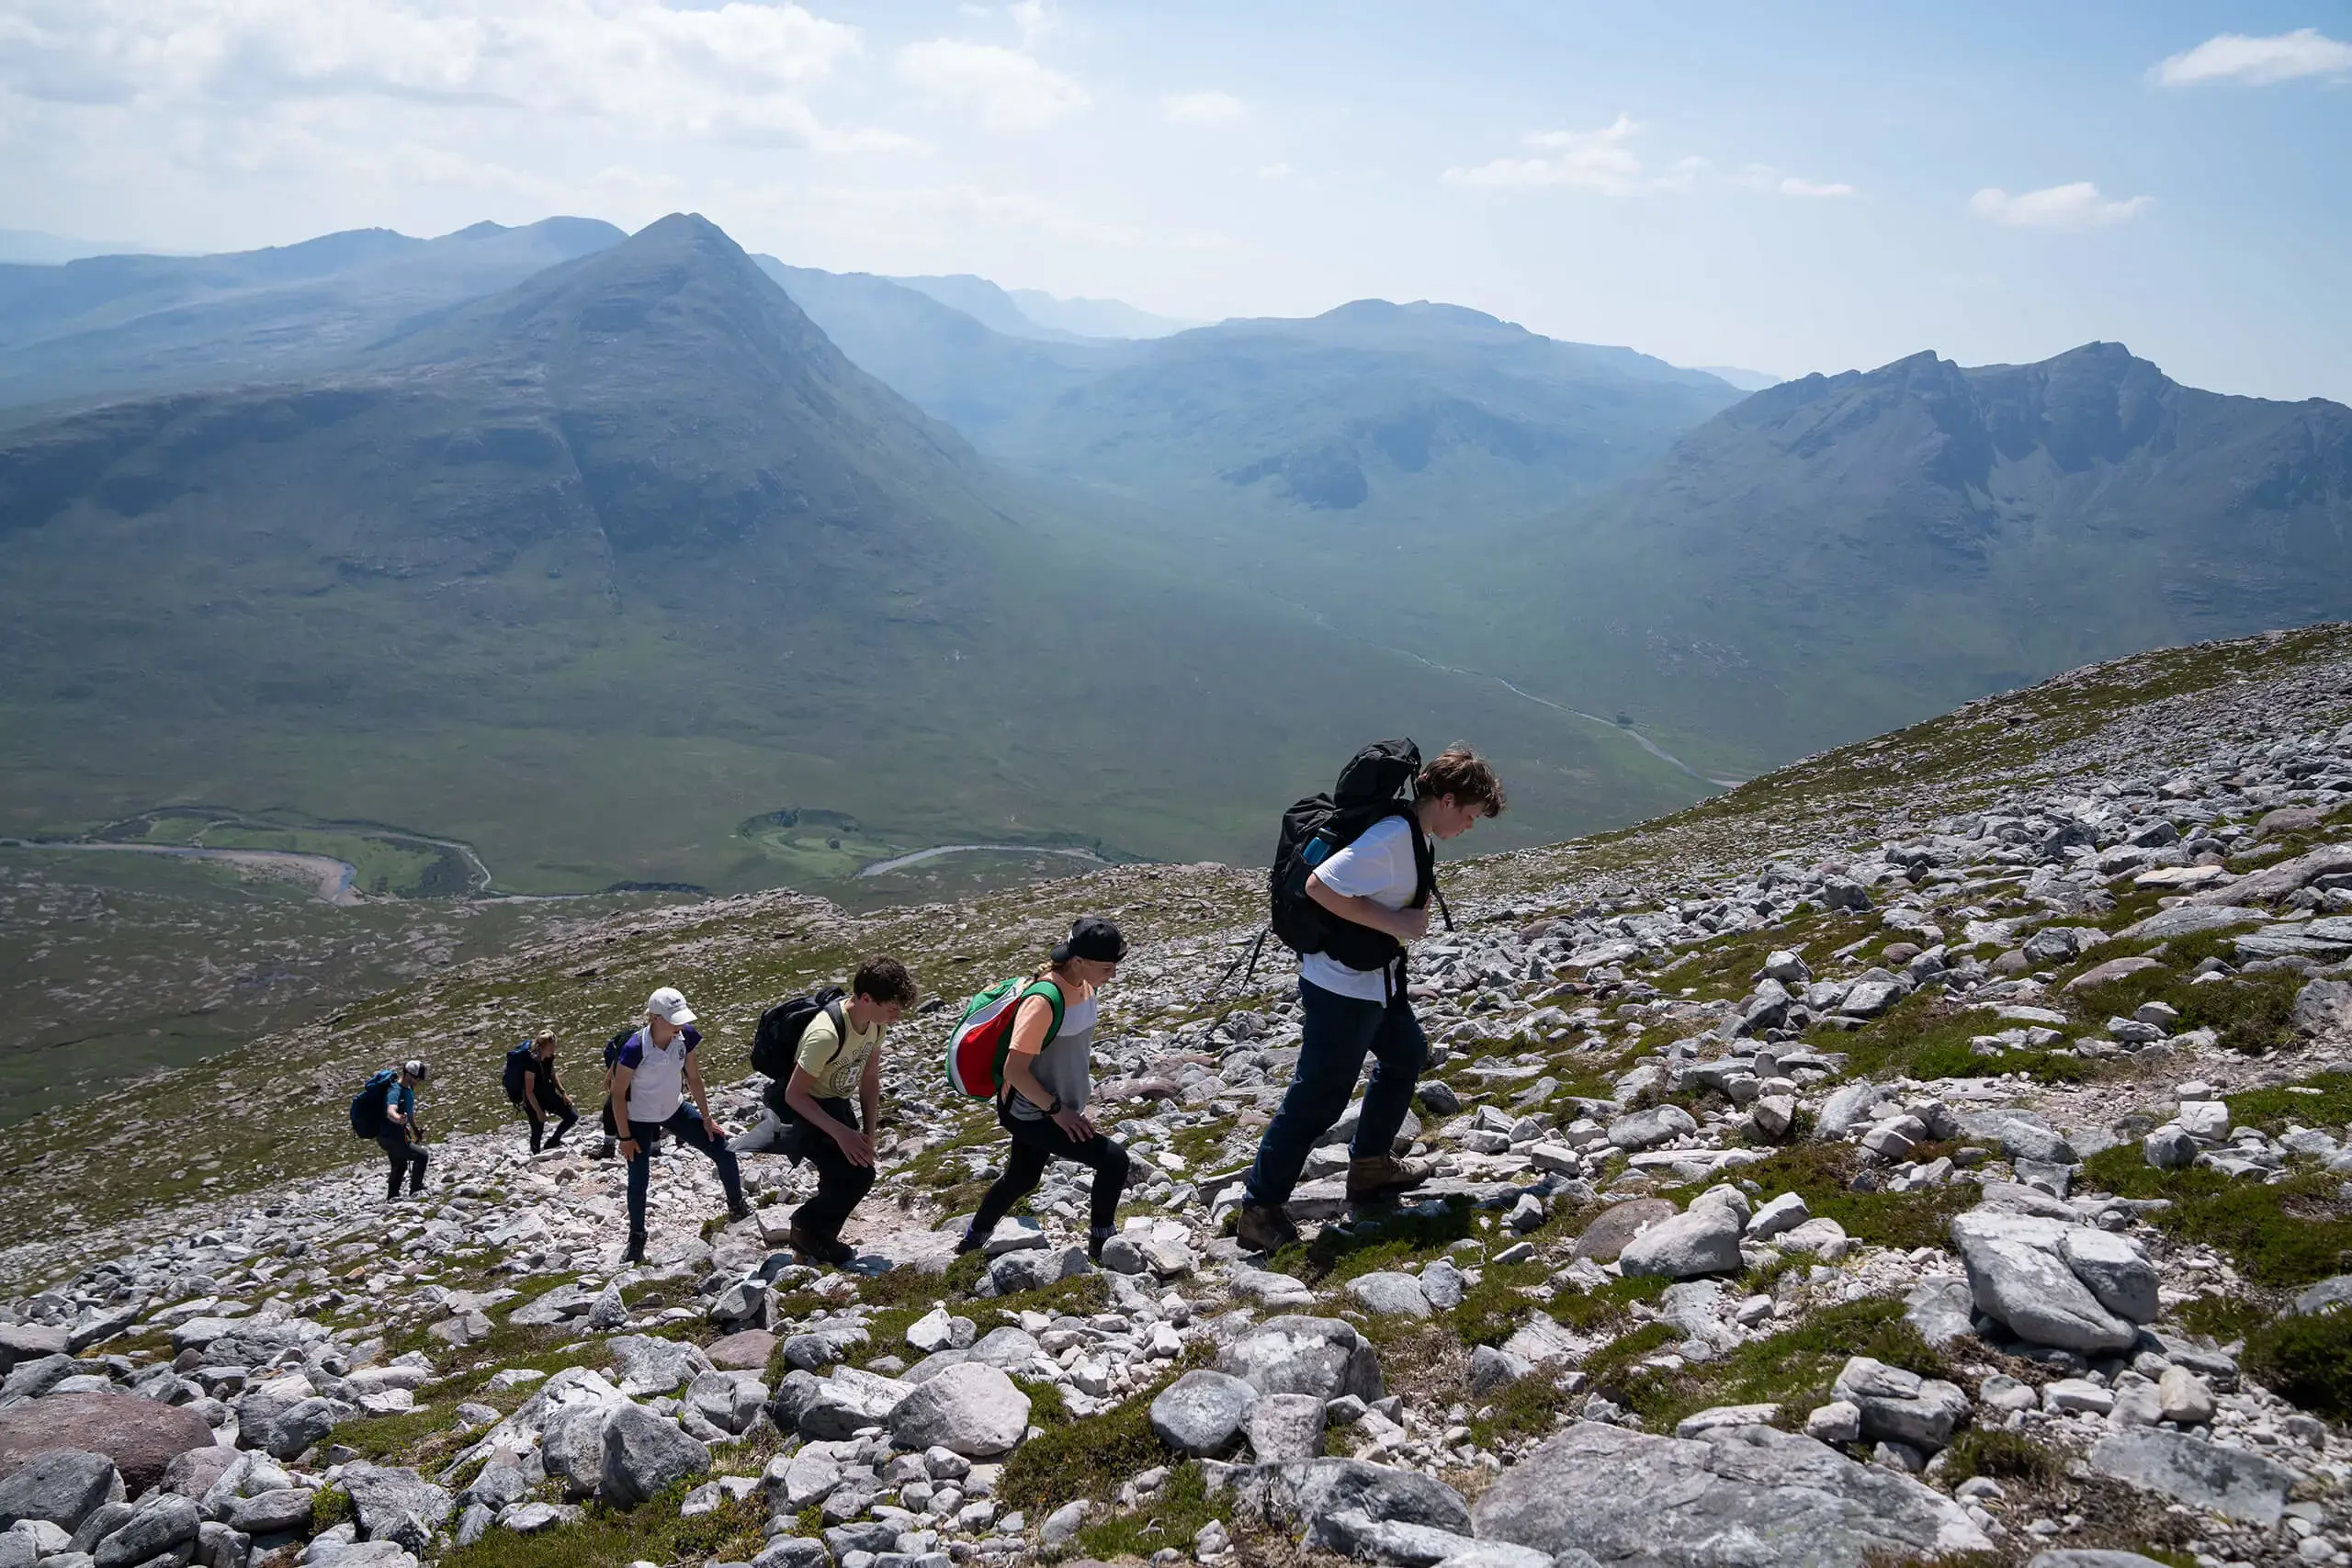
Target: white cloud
{"type": "Point", "coordinates": [1005, 89]}
{"type": "Point", "coordinates": [1201, 108]}
{"type": "Point", "coordinates": [2258, 62]}
{"type": "Point", "coordinates": [736, 69]}
{"type": "Point", "coordinates": [1274, 172]}
{"type": "Point", "coordinates": [1604, 160]}
{"type": "Point", "coordinates": [1582, 160]}
{"type": "Point", "coordinates": [2076, 206]}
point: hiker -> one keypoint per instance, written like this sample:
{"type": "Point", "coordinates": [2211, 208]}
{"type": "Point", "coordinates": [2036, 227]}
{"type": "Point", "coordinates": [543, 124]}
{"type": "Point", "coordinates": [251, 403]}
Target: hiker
{"type": "Point", "coordinates": [538, 1091]}
{"type": "Point", "coordinates": [838, 1059]}
{"type": "Point", "coordinates": [1375, 888]}
{"type": "Point", "coordinates": [653, 1073]}
{"type": "Point", "coordinates": [1041, 1098]}
{"type": "Point", "coordinates": [399, 1135]}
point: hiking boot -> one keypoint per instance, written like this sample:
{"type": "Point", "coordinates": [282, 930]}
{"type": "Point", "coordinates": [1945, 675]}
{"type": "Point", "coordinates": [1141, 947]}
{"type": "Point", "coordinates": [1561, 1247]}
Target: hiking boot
{"type": "Point", "coordinates": [636, 1253]}
{"type": "Point", "coordinates": [1264, 1228]}
{"type": "Point", "coordinates": [971, 1243]}
{"type": "Point", "coordinates": [738, 1210]}
{"type": "Point", "coordinates": [1095, 1237]}
{"type": "Point", "coordinates": [836, 1252]}
{"type": "Point", "coordinates": [1378, 1176]}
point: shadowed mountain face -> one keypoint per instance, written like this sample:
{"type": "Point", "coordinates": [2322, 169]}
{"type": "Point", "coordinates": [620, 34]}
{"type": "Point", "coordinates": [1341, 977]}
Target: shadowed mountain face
{"type": "Point", "coordinates": [1402, 413]}
{"type": "Point", "coordinates": [1369, 414]}
{"type": "Point", "coordinates": [1841, 553]}
{"type": "Point", "coordinates": [605, 571]}
{"type": "Point", "coordinates": [112, 325]}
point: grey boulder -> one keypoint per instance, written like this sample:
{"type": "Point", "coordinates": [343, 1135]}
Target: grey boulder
{"type": "Point", "coordinates": [1285, 1427]}
{"type": "Point", "coordinates": [1745, 1494]}
{"type": "Point", "coordinates": [647, 1365]}
{"type": "Point", "coordinates": [1321, 1356]}
{"type": "Point", "coordinates": [2017, 1274]}
{"type": "Point", "coordinates": [834, 1408]}
{"type": "Point", "coordinates": [2123, 1281]}
{"type": "Point", "coordinates": [644, 1453]}
{"type": "Point", "coordinates": [1338, 1505]}
{"type": "Point", "coordinates": [1703, 1239]}
{"type": "Point", "coordinates": [63, 1486]}
{"type": "Point", "coordinates": [1201, 1413]}
{"type": "Point", "coordinates": [1390, 1294]}
{"type": "Point", "coordinates": [164, 1523]}
{"type": "Point", "coordinates": [302, 1424]}
{"type": "Point", "coordinates": [972, 1409]}
{"type": "Point", "coordinates": [277, 1510]}
{"type": "Point", "coordinates": [395, 1505]}
{"type": "Point", "coordinates": [2230, 1482]}
{"type": "Point", "coordinates": [1647, 1129]}
{"type": "Point", "coordinates": [1901, 1406]}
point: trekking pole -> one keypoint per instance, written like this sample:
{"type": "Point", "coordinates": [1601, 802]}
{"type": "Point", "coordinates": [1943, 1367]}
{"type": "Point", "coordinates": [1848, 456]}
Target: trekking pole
{"type": "Point", "coordinates": [1252, 958]}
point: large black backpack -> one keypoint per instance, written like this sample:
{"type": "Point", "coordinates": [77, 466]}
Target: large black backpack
{"type": "Point", "coordinates": [518, 1062]}
{"type": "Point", "coordinates": [777, 1039]}
{"type": "Point", "coordinates": [1377, 783]}
{"type": "Point", "coordinates": [368, 1105]}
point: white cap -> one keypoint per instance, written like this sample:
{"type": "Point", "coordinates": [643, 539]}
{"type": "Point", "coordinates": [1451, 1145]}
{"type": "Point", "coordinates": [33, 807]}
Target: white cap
{"type": "Point", "coordinates": [667, 1003]}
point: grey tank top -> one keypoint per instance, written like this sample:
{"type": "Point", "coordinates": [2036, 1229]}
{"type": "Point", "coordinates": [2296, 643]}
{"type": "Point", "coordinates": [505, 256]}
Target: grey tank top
{"type": "Point", "coordinates": [1065, 1066]}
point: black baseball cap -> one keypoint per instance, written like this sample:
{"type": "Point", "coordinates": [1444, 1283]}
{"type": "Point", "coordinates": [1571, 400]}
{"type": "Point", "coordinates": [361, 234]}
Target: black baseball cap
{"type": "Point", "coordinates": [1093, 937]}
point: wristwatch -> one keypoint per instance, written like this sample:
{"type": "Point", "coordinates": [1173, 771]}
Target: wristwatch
{"type": "Point", "coordinates": [1055, 1108]}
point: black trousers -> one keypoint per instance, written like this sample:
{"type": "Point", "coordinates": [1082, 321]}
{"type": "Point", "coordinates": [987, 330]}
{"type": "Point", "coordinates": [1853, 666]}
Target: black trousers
{"type": "Point", "coordinates": [1034, 1143]}
{"type": "Point", "coordinates": [404, 1155]}
{"type": "Point", "coordinates": [840, 1184]}
{"type": "Point", "coordinates": [552, 1106]}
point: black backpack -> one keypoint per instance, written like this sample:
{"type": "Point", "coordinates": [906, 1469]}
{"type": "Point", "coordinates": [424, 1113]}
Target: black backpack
{"type": "Point", "coordinates": [518, 1062]}
{"type": "Point", "coordinates": [1377, 783]}
{"type": "Point", "coordinates": [368, 1105]}
{"type": "Point", "coordinates": [777, 1039]}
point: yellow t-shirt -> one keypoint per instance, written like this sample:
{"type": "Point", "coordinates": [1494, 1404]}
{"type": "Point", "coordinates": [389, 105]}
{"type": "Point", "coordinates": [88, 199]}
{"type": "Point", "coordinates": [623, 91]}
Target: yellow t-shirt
{"type": "Point", "coordinates": [836, 1059]}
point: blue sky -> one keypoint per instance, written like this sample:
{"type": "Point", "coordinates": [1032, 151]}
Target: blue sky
{"type": "Point", "coordinates": [1791, 187]}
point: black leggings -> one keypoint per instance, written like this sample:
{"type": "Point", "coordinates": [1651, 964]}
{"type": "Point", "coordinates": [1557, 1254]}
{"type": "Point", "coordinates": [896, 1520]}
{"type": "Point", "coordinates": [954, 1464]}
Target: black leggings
{"type": "Point", "coordinates": [551, 1105]}
{"type": "Point", "coordinates": [1034, 1143]}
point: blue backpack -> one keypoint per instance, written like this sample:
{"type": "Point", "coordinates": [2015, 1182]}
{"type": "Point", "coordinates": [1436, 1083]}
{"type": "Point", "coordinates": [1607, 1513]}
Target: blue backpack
{"type": "Point", "coordinates": [518, 1062]}
{"type": "Point", "coordinates": [368, 1105]}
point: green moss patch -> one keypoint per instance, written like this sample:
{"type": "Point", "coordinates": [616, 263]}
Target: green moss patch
{"type": "Point", "coordinates": [613, 1538]}
{"type": "Point", "coordinates": [2279, 1235]}
{"type": "Point", "coordinates": [2306, 1360]}
{"type": "Point", "coordinates": [1820, 1174]}
{"type": "Point", "coordinates": [1171, 1518]}
{"type": "Point", "coordinates": [1792, 1369]}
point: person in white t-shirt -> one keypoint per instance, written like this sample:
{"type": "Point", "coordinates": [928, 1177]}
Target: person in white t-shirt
{"type": "Point", "coordinates": [653, 1077]}
{"type": "Point", "coordinates": [1379, 882]}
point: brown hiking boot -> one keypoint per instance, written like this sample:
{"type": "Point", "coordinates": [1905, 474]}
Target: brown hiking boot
{"type": "Point", "coordinates": [1378, 1176]}
{"type": "Point", "coordinates": [1264, 1228]}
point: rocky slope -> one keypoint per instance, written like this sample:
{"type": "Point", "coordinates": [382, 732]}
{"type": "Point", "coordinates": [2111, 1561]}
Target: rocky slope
{"type": "Point", "coordinates": [1932, 1152]}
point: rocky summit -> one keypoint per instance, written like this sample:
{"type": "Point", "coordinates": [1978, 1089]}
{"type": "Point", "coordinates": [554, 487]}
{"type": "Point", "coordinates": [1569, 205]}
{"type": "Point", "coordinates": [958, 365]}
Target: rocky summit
{"type": "Point", "coordinates": [1934, 1151]}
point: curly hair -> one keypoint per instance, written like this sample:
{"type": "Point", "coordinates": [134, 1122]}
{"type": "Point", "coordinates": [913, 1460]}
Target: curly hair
{"type": "Point", "coordinates": [1467, 777]}
{"type": "Point", "coordinates": [884, 980]}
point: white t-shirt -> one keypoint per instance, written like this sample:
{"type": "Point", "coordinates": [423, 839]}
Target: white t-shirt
{"type": "Point", "coordinates": [1378, 867]}
{"type": "Point", "coordinates": [657, 1086]}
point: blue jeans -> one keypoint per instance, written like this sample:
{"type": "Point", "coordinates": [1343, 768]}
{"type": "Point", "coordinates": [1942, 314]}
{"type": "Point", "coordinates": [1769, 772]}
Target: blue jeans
{"type": "Point", "coordinates": [687, 1123]}
{"type": "Point", "coordinates": [1339, 1032]}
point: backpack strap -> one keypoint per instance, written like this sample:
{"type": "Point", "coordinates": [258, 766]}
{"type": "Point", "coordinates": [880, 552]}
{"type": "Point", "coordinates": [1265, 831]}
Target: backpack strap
{"type": "Point", "coordinates": [1037, 988]}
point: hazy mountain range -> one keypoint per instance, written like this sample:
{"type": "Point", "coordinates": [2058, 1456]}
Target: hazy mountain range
{"type": "Point", "coordinates": [630, 558]}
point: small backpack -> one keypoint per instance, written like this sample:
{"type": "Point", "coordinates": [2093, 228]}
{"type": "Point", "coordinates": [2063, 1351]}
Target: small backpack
{"type": "Point", "coordinates": [778, 1040]}
{"type": "Point", "coordinates": [518, 1062]}
{"type": "Point", "coordinates": [982, 1038]}
{"type": "Point", "coordinates": [368, 1105]}
{"type": "Point", "coordinates": [613, 1049]}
